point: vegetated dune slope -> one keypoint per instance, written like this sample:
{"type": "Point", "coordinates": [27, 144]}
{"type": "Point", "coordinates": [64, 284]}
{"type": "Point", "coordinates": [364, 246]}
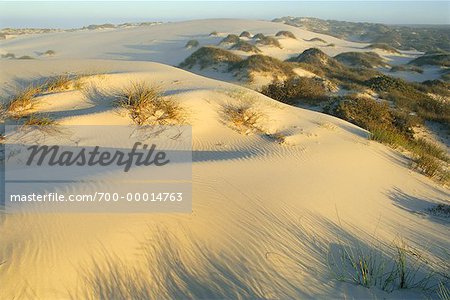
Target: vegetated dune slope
{"type": "Point", "coordinates": [166, 42]}
{"type": "Point", "coordinates": [270, 208]}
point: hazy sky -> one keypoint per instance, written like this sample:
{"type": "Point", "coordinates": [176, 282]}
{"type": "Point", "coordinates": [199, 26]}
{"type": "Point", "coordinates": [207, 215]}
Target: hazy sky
{"type": "Point", "coordinates": [66, 14]}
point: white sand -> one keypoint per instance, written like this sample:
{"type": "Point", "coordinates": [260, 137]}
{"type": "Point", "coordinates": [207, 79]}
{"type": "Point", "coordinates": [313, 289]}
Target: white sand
{"type": "Point", "coordinates": [267, 211]}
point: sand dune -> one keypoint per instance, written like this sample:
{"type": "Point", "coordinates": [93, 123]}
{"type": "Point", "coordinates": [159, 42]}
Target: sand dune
{"type": "Point", "coordinates": [268, 214]}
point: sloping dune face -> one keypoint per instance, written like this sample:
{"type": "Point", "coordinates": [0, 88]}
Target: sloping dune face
{"type": "Point", "coordinates": [278, 204]}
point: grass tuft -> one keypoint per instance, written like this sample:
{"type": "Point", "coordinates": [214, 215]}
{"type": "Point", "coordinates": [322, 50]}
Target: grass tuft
{"type": "Point", "coordinates": [242, 114]}
{"type": "Point", "coordinates": [147, 105]}
{"type": "Point", "coordinates": [22, 101]}
{"type": "Point", "coordinates": [39, 120]}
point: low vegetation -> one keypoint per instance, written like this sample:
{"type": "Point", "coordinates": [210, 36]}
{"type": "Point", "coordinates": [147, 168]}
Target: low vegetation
{"type": "Point", "coordinates": [148, 106]}
{"type": "Point", "coordinates": [314, 56]}
{"type": "Point", "coordinates": [25, 57]}
{"type": "Point", "coordinates": [440, 59]}
{"type": "Point", "coordinates": [422, 38]}
{"type": "Point", "coordinates": [39, 120]}
{"type": "Point", "coordinates": [317, 62]}
{"type": "Point", "coordinates": [259, 36]}
{"type": "Point", "coordinates": [50, 52]}
{"type": "Point", "coordinates": [242, 115]}
{"type": "Point", "coordinates": [23, 101]}
{"type": "Point", "coordinates": [245, 34]}
{"type": "Point", "coordinates": [246, 47]}
{"type": "Point", "coordinates": [411, 97]}
{"type": "Point", "coordinates": [393, 128]}
{"type": "Point", "coordinates": [360, 59]}
{"type": "Point", "coordinates": [59, 83]}
{"type": "Point", "coordinates": [230, 39]}
{"type": "Point", "coordinates": [9, 55]}
{"type": "Point", "coordinates": [316, 39]}
{"type": "Point", "coordinates": [297, 90]}
{"type": "Point", "coordinates": [214, 33]}
{"type": "Point", "coordinates": [384, 47]}
{"type": "Point", "coordinates": [406, 68]}
{"type": "Point", "coordinates": [286, 33]}
{"type": "Point", "coordinates": [265, 65]}
{"type": "Point", "coordinates": [192, 44]}
{"type": "Point", "coordinates": [210, 56]}
{"type": "Point", "coordinates": [269, 41]}
{"type": "Point", "coordinates": [399, 266]}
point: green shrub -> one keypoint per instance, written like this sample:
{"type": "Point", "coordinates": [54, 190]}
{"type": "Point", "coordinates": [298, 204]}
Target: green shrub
{"type": "Point", "coordinates": [405, 68]}
{"type": "Point", "coordinates": [9, 55]}
{"type": "Point", "coordinates": [245, 34]}
{"type": "Point", "coordinates": [49, 52]}
{"type": "Point", "coordinates": [316, 39]}
{"type": "Point", "coordinates": [230, 39]}
{"type": "Point", "coordinates": [259, 36]}
{"type": "Point", "coordinates": [360, 59]}
{"type": "Point", "coordinates": [295, 90]}
{"type": "Point", "coordinates": [365, 112]}
{"type": "Point", "coordinates": [269, 41]}
{"type": "Point", "coordinates": [192, 44]}
{"type": "Point", "coordinates": [246, 47]}
{"type": "Point", "coordinates": [384, 47]}
{"type": "Point", "coordinates": [263, 64]}
{"type": "Point", "coordinates": [209, 56]}
{"type": "Point", "coordinates": [286, 33]}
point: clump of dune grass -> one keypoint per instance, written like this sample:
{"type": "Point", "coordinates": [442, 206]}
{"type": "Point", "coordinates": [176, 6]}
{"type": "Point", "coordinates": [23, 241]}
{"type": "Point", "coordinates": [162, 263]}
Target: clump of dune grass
{"type": "Point", "coordinates": [58, 83]}
{"type": "Point", "coordinates": [192, 44]}
{"type": "Point", "coordinates": [214, 33]}
{"type": "Point", "coordinates": [242, 115]}
{"type": "Point", "coordinates": [25, 57]}
{"type": "Point", "coordinates": [39, 120]}
{"type": "Point", "coordinates": [63, 82]}
{"type": "Point", "coordinates": [22, 101]}
{"type": "Point", "coordinates": [387, 267]}
{"type": "Point", "coordinates": [148, 106]}
{"type": "Point", "coordinates": [286, 33]}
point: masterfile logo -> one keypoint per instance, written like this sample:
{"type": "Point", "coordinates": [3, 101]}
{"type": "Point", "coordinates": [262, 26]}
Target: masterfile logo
{"type": "Point", "coordinates": [127, 169]}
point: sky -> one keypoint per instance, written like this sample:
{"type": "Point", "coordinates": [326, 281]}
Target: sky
{"type": "Point", "coordinates": [73, 14]}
